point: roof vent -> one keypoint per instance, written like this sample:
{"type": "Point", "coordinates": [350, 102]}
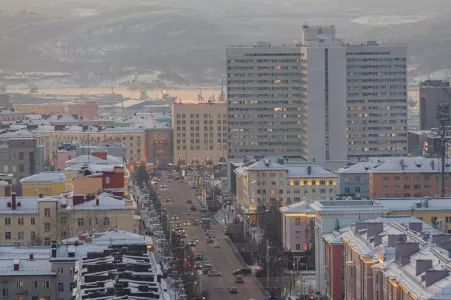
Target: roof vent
{"type": "Point", "coordinates": [16, 265]}
{"type": "Point", "coordinates": [418, 163]}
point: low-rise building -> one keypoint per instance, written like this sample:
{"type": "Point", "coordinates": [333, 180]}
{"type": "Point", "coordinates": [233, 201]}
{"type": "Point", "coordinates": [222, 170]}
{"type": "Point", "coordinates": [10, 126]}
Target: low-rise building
{"type": "Point", "coordinates": [298, 233]}
{"type": "Point", "coordinates": [408, 177]}
{"type": "Point", "coordinates": [276, 183]}
{"type": "Point", "coordinates": [12, 115]}
{"type": "Point", "coordinates": [45, 183]}
{"type": "Point", "coordinates": [353, 181]}
{"type": "Point", "coordinates": [88, 109]}
{"type": "Point", "coordinates": [389, 258]}
{"type": "Point", "coordinates": [39, 220]}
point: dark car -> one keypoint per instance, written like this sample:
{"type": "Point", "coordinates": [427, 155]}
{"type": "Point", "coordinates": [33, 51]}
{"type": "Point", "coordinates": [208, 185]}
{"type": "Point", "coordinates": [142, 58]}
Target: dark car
{"type": "Point", "coordinates": [193, 208]}
{"type": "Point", "coordinates": [242, 271]}
{"type": "Point", "coordinates": [189, 202]}
{"type": "Point", "coordinates": [233, 290]}
{"type": "Point", "coordinates": [192, 244]}
{"type": "Point", "coordinates": [239, 279]}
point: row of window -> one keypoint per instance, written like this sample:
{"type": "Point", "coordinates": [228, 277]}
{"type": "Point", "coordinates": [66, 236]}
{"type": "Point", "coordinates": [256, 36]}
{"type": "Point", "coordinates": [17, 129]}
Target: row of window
{"type": "Point", "coordinates": [20, 221]}
{"type": "Point", "coordinates": [192, 122]}
{"type": "Point", "coordinates": [407, 186]}
{"type": "Point", "coordinates": [205, 115]}
{"type": "Point", "coordinates": [197, 128]}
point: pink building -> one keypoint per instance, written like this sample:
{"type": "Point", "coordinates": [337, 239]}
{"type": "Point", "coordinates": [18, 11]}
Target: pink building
{"type": "Point", "coordinates": [334, 267]}
{"type": "Point", "coordinates": [60, 157]}
{"type": "Point", "coordinates": [298, 233]}
{"type": "Point", "coordinates": [85, 109]}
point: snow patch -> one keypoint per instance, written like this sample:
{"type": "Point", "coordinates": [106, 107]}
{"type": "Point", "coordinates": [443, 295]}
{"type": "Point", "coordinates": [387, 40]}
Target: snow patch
{"type": "Point", "coordinates": [84, 12]}
{"type": "Point", "coordinates": [387, 20]}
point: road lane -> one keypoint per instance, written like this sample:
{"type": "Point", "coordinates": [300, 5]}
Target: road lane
{"type": "Point", "coordinates": [223, 259]}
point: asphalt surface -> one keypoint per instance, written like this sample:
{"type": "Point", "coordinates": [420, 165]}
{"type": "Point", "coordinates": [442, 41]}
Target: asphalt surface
{"type": "Point", "coordinates": [222, 259]}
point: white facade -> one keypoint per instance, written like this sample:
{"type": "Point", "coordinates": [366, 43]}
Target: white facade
{"type": "Point", "coordinates": [263, 100]}
{"type": "Point", "coordinates": [329, 214]}
{"type": "Point", "coordinates": [323, 69]}
{"type": "Point", "coordinates": [354, 97]}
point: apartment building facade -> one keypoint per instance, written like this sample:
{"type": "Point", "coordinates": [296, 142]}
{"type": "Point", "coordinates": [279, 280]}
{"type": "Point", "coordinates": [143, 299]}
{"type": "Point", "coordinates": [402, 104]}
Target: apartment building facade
{"type": "Point", "coordinates": [353, 93]}
{"type": "Point", "coordinates": [263, 100]}
{"type": "Point", "coordinates": [45, 183]}
{"type": "Point", "coordinates": [199, 132]}
{"type": "Point", "coordinates": [391, 258]}
{"type": "Point", "coordinates": [407, 177]}
{"type": "Point", "coordinates": [275, 183]}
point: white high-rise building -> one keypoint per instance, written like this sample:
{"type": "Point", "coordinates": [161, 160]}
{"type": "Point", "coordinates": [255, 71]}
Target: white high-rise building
{"type": "Point", "coordinates": [263, 101]}
{"type": "Point", "coordinates": [354, 97]}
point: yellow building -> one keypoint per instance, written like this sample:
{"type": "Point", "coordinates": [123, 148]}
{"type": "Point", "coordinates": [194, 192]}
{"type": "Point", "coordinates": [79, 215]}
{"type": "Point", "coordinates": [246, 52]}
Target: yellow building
{"type": "Point", "coordinates": [38, 221]}
{"type": "Point", "coordinates": [200, 131]}
{"type": "Point", "coordinates": [49, 108]}
{"type": "Point", "coordinates": [45, 183]}
{"type": "Point", "coordinates": [435, 212]}
{"type": "Point", "coordinates": [134, 139]}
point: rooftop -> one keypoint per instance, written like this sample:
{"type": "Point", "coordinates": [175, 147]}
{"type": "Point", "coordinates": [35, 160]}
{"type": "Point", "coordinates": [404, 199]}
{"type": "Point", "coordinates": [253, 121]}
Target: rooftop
{"type": "Point", "coordinates": [91, 159]}
{"type": "Point", "coordinates": [410, 165]}
{"type": "Point", "coordinates": [45, 177]}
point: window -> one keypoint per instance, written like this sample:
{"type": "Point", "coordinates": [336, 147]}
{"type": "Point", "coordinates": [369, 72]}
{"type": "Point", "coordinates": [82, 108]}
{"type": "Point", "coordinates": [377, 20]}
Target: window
{"type": "Point", "coordinates": [5, 292]}
{"type": "Point", "coordinates": [7, 221]}
{"type": "Point", "coordinates": [19, 284]}
{"type": "Point", "coordinates": [60, 287]}
{"type": "Point", "coordinates": [357, 189]}
{"type": "Point", "coordinates": [397, 178]}
{"type": "Point", "coordinates": [34, 285]}
{"type": "Point", "coordinates": [21, 168]}
{"type": "Point", "coordinates": [33, 235]}
{"type": "Point", "coordinates": [71, 271]}
{"type": "Point", "coordinates": [385, 178]}
{"type": "Point", "coordinates": [20, 221]}
{"type": "Point", "coordinates": [298, 234]}
{"type": "Point", "coordinates": [7, 235]}
{"type": "Point", "coordinates": [357, 178]}
{"type": "Point", "coordinates": [377, 278]}
{"type": "Point", "coordinates": [427, 177]}
{"type": "Point", "coordinates": [32, 221]}
{"type": "Point", "coordinates": [107, 180]}
{"type": "Point", "coordinates": [80, 222]}
{"type": "Point", "coordinates": [385, 187]}
{"type": "Point", "coordinates": [342, 267]}
{"type": "Point", "coordinates": [72, 286]}
{"type": "Point", "coordinates": [298, 247]}
{"type": "Point", "coordinates": [342, 281]}
{"type": "Point", "coordinates": [47, 227]}
{"type": "Point", "coordinates": [46, 285]}
{"type": "Point", "coordinates": [47, 212]}
{"type": "Point", "coordinates": [427, 186]}
{"type": "Point", "coordinates": [20, 235]}
{"type": "Point", "coordinates": [297, 221]}
{"type": "Point", "coordinates": [47, 241]}
{"type": "Point", "coordinates": [60, 271]}
{"type": "Point", "coordinates": [106, 221]}
{"type": "Point", "coordinates": [21, 155]}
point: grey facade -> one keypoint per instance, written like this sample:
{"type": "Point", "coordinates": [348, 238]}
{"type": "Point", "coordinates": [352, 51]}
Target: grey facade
{"type": "Point", "coordinates": [22, 158]}
{"type": "Point", "coordinates": [263, 100]}
{"type": "Point", "coordinates": [431, 93]}
{"type": "Point", "coordinates": [28, 287]}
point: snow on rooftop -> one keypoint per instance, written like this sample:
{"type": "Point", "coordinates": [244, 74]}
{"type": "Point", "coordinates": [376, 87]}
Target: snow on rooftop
{"type": "Point", "coordinates": [45, 177]}
{"type": "Point", "coordinates": [409, 165]}
{"type": "Point", "coordinates": [300, 207]}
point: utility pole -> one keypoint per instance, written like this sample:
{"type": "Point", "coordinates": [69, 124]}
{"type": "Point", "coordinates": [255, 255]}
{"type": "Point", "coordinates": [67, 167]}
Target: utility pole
{"type": "Point", "coordinates": [267, 263]}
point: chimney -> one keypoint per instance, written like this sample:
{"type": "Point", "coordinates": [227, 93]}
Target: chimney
{"type": "Point", "coordinates": [100, 154]}
{"type": "Point", "coordinates": [78, 199]}
{"type": "Point", "coordinates": [405, 249]}
{"type": "Point", "coordinates": [377, 240]}
{"type": "Point", "coordinates": [41, 195]}
{"type": "Point", "coordinates": [85, 128]}
{"type": "Point", "coordinates": [97, 201]}
{"type": "Point", "coordinates": [13, 201]}
{"type": "Point", "coordinates": [432, 276]}
{"type": "Point", "coordinates": [16, 265]}
{"type": "Point", "coordinates": [358, 227]}
{"type": "Point", "coordinates": [441, 238]}
{"type": "Point", "coordinates": [405, 260]}
{"type": "Point", "coordinates": [90, 197]}
{"type": "Point", "coordinates": [53, 249]}
{"type": "Point", "coordinates": [422, 265]}
{"type": "Point", "coordinates": [374, 229]}
{"type": "Point", "coordinates": [418, 227]}
{"type": "Point", "coordinates": [393, 238]}
{"type": "Point", "coordinates": [309, 170]}
{"type": "Point", "coordinates": [71, 251]}
{"type": "Point", "coordinates": [31, 256]}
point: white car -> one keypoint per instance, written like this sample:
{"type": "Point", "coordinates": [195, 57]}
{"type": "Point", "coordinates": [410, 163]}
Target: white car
{"type": "Point", "coordinates": [216, 245]}
{"type": "Point", "coordinates": [207, 264]}
{"type": "Point", "coordinates": [213, 273]}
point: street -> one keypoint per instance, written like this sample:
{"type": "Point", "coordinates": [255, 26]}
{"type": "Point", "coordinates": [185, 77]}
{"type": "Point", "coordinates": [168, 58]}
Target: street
{"type": "Point", "coordinates": [223, 258]}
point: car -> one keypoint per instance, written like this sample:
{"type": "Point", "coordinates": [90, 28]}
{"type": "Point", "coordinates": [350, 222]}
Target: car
{"type": "Point", "coordinates": [162, 186]}
{"type": "Point", "coordinates": [192, 244]}
{"type": "Point", "coordinates": [169, 180]}
{"type": "Point", "coordinates": [211, 235]}
{"type": "Point", "coordinates": [207, 264]}
{"type": "Point", "coordinates": [239, 279]}
{"type": "Point", "coordinates": [189, 211]}
{"type": "Point", "coordinates": [216, 245]}
{"type": "Point", "coordinates": [197, 265]}
{"type": "Point", "coordinates": [199, 256]}
{"type": "Point", "coordinates": [175, 218]}
{"type": "Point", "coordinates": [233, 290]}
{"type": "Point", "coordinates": [207, 233]}
{"type": "Point", "coordinates": [181, 180]}
{"type": "Point", "coordinates": [203, 209]}
{"type": "Point", "coordinates": [186, 223]}
{"type": "Point", "coordinates": [167, 200]}
{"type": "Point", "coordinates": [193, 208]}
{"type": "Point", "coordinates": [196, 240]}
{"type": "Point", "coordinates": [214, 273]}
{"type": "Point", "coordinates": [195, 222]}
{"type": "Point", "coordinates": [242, 271]}
{"type": "Point", "coordinates": [189, 202]}
{"type": "Point", "coordinates": [210, 241]}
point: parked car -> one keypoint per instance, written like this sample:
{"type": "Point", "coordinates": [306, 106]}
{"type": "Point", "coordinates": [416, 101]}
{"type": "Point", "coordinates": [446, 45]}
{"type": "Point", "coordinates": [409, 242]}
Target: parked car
{"type": "Point", "coordinates": [207, 264]}
{"type": "Point", "coordinates": [233, 290]}
{"type": "Point", "coordinates": [199, 256]}
{"type": "Point", "coordinates": [192, 244]}
{"type": "Point", "coordinates": [195, 222]}
{"type": "Point", "coordinates": [203, 209]}
{"type": "Point", "coordinates": [197, 265]}
{"type": "Point", "coordinates": [193, 208]}
{"type": "Point", "coordinates": [181, 180]}
{"type": "Point", "coordinates": [162, 186]}
{"type": "Point", "coordinates": [216, 245]}
{"type": "Point", "coordinates": [189, 202]}
{"type": "Point", "coordinates": [167, 200]}
{"type": "Point", "coordinates": [214, 273]}
{"type": "Point", "coordinates": [242, 271]}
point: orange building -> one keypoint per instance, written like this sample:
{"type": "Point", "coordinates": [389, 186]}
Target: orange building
{"type": "Point", "coordinates": [407, 177]}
